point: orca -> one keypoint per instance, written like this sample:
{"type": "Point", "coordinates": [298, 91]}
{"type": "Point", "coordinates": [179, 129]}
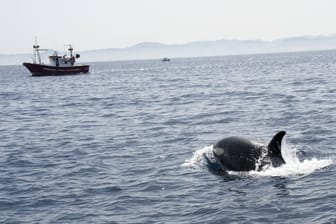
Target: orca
{"type": "Point", "coordinates": [240, 154]}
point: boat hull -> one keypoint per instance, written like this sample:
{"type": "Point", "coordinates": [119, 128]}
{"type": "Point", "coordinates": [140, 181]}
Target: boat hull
{"type": "Point", "coordinates": [47, 70]}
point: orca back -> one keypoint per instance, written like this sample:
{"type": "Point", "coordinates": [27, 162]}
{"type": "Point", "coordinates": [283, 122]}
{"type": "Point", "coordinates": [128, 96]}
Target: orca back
{"type": "Point", "coordinates": [237, 154]}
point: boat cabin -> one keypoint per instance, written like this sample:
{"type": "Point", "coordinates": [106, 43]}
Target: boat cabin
{"type": "Point", "coordinates": [61, 61]}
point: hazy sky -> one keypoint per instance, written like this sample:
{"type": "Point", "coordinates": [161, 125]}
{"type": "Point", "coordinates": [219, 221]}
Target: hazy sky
{"type": "Point", "coordinates": [94, 24]}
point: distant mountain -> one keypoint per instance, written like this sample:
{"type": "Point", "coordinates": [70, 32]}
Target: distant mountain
{"type": "Point", "coordinates": [153, 50]}
{"type": "Point", "coordinates": [148, 45]}
{"type": "Point", "coordinates": [150, 50]}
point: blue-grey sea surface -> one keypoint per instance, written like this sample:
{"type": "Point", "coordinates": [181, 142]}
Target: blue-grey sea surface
{"type": "Point", "coordinates": [126, 143]}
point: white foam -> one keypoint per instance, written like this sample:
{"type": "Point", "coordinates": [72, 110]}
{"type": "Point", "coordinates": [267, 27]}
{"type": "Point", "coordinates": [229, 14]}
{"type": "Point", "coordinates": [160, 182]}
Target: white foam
{"type": "Point", "coordinates": [197, 160]}
{"type": "Point", "coordinates": [293, 166]}
{"type": "Point", "coordinates": [298, 168]}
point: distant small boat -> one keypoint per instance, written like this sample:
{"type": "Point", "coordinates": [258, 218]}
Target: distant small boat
{"type": "Point", "coordinates": [165, 59]}
{"type": "Point", "coordinates": [59, 65]}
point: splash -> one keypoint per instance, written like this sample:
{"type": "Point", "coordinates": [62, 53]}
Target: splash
{"type": "Point", "coordinates": [293, 166]}
{"type": "Point", "coordinates": [197, 161]}
{"type": "Point", "coordinates": [303, 168]}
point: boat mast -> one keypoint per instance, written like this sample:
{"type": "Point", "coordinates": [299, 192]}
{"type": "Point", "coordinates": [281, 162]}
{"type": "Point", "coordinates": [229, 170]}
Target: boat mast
{"type": "Point", "coordinates": [71, 50]}
{"type": "Point", "coordinates": [36, 52]}
{"type": "Point", "coordinates": [72, 59]}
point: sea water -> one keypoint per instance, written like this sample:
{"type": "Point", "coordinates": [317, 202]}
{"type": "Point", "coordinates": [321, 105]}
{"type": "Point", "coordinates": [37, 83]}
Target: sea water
{"type": "Point", "coordinates": [126, 143]}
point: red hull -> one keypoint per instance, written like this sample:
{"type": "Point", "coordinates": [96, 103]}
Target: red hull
{"type": "Point", "coordinates": [46, 70]}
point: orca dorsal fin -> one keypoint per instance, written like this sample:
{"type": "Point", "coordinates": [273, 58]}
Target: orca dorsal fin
{"type": "Point", "coordinates": [274, 147]}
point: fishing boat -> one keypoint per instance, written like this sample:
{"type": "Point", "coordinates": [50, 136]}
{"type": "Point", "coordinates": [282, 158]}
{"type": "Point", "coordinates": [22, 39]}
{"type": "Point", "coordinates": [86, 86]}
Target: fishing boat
{"type": "Point", "coordinates": [59, 65]}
